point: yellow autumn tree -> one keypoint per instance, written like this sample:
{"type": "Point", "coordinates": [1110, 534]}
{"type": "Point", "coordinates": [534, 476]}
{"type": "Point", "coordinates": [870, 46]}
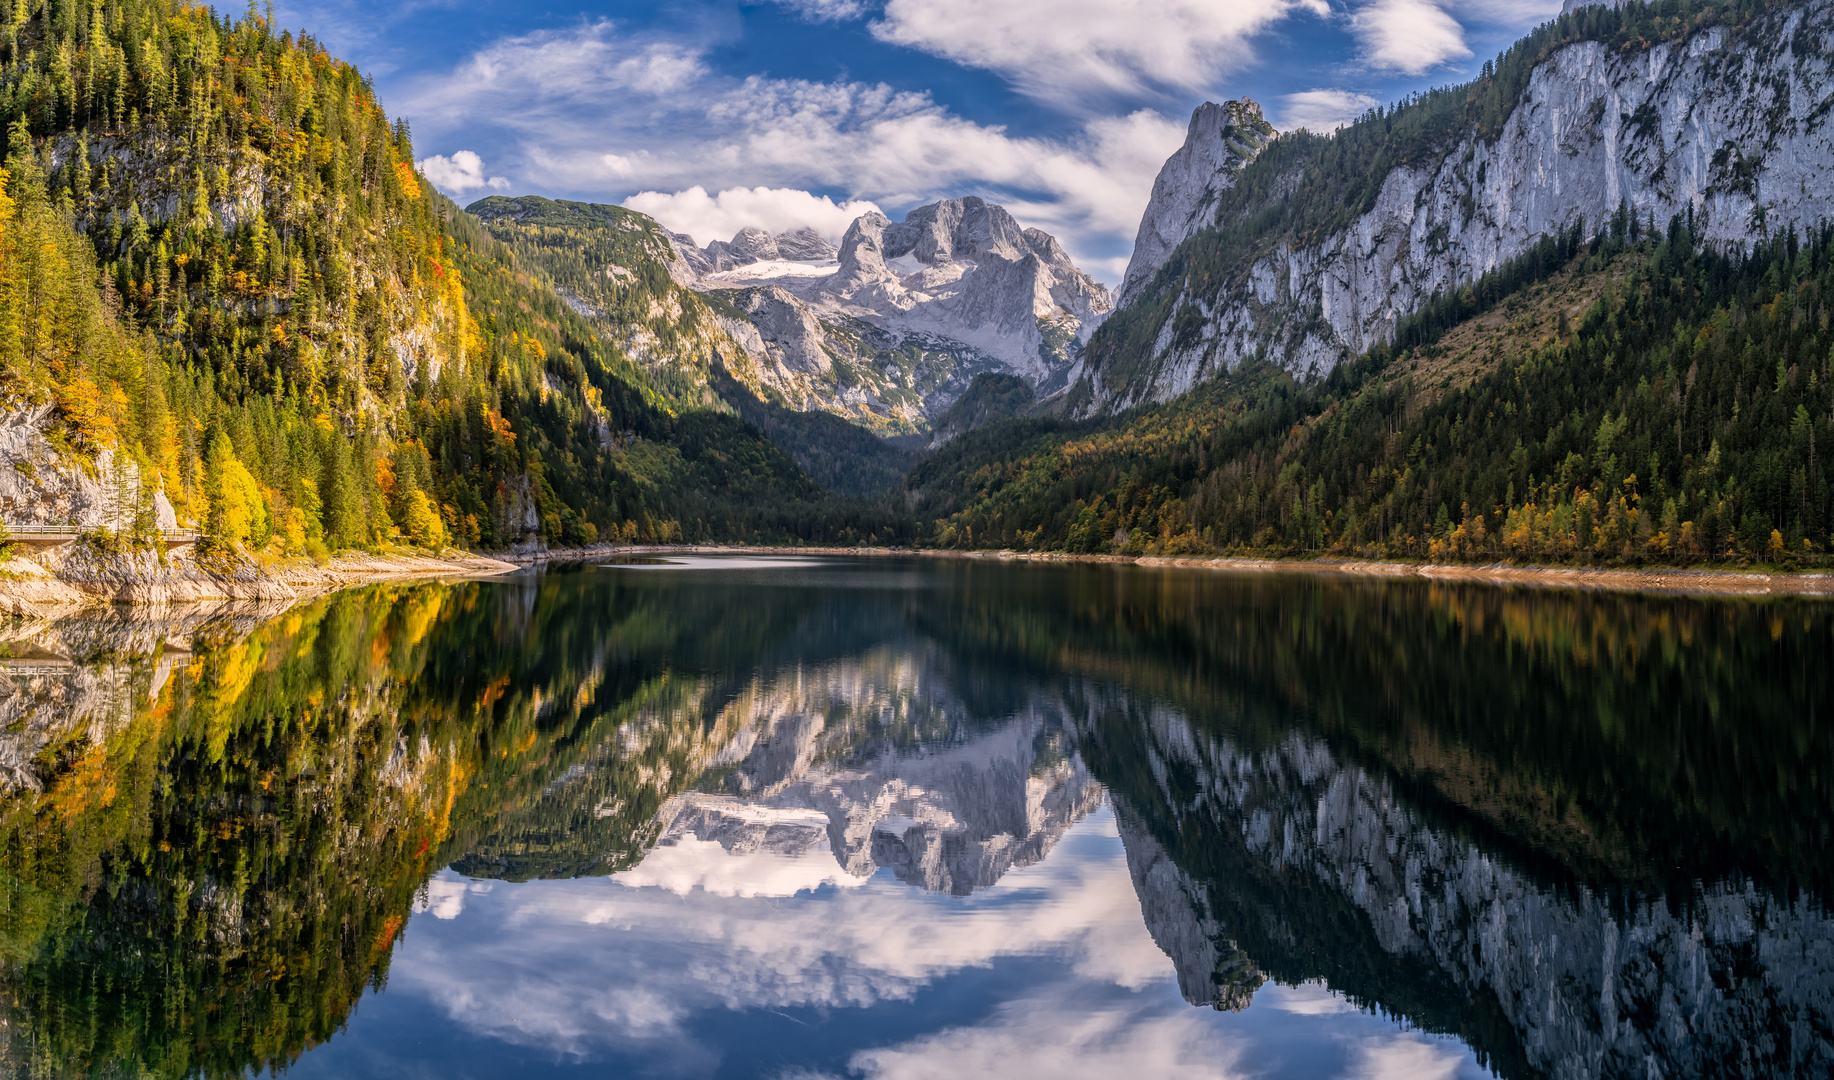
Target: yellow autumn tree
{"type": "Point", "coordinates": [422, 522]}
{"type": "Point", "coordinates": [238, 509]}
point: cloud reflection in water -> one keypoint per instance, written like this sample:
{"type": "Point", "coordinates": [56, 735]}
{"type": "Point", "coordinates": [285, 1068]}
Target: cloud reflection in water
{"type": "Point", "coordinates": [1048, 972]}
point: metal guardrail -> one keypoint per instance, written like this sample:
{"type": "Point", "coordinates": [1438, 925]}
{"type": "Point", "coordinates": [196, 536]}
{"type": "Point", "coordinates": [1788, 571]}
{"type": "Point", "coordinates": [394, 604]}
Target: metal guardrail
{"type": "Point", "coordinates": [17, 670]}
{"type": "Point", "coordinates": [74, 531]}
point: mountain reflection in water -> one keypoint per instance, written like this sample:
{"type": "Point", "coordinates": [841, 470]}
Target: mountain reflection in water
{"type": "Point", "coordinates": [886, 818]}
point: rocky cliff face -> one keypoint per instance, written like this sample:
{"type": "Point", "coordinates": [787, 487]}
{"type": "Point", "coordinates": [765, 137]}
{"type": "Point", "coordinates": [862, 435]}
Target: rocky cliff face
{"type": "Point", "coordinates": [42, 485]}
{"type": "Point", "coordinates": [1729, 125]}
{"type": "Point", "coordinates": [84, 678]}
{"type": "Point", "coordinates": [102, 496]}
{"type": "Point", "coordinates": [867, 763]}
{"type": "Point", "coordinates": [1221, 139]}
{"type": "Point", "coordinates": [1733, 982]}
{"type": "Point", "coordinates": [891, 327]}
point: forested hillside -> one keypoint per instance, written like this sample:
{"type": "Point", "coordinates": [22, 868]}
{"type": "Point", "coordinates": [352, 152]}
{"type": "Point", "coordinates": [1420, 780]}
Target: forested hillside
{"type": "Point", "coordinates": [612, 266]}
{"type": "Point", "coordinates": [218, 264]}
{"type": "Point", "coordinates": [1321, 243]}
{"type": "Point", "coordinates": [1681, 414]}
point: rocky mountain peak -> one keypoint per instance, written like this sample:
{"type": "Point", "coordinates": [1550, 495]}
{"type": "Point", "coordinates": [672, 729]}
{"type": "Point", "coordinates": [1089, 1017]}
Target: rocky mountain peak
{"type": "Point", "coordinates": [979, 277]}
{"type": "Point", "coordinates": [1220, 140]}
{"type": "Point", "coordinates": [953, 230]}
{"type": "Point", "coordinates": [804, 244]}
{"type": "Point", "coordinates": [1715, 127]}
{"type": "Point", "coordinates": [892, 326]}
{"type": "Point", "coordinates": [754, 245]}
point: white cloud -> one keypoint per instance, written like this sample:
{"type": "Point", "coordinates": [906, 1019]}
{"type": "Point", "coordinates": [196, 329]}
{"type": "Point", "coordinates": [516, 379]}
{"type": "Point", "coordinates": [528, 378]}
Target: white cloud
{"type": "Point", "coordinates": [717, 217]}
{"type": "Point", "coordinates": [596, 970]}
{"type": "Point", "coordinates": [1412, 36]}
{"type": "Point", "coordinates": [826, 10]}
{"type": "Point", "coordinates": [690, 864]}
{"type": "Point", "coordinates": [1064, 49]}
{"type": "Point", "coordinates": [590, 963]}
{"type": "Point", "coordinates": [593, 67]}
{"type": "Point", "coordinates": [1408, 1056]}
{"type": "Point", "coordinates": [1048, 1038]}
{"type": "Point", "coordinates": [462, 172]}
{"type": "Point", "coordinates": [1323, 111]}
{"type": "Point", "coordinates": [677, 126]}
{"type": "Point", "coordinates": [445, 896]}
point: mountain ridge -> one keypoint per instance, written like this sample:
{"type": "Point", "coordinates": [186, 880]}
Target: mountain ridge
{"type": "Point", "coordinates": [1319, 246]}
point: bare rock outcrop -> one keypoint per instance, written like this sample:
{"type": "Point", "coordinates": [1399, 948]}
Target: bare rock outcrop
{"type": "Point", "coordinates": [1725, 125]}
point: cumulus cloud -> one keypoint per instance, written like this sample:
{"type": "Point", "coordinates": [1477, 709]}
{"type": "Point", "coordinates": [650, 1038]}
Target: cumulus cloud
{"type": "Point", "coordinates": [1323, 111]}
{"type": "Point", "coordinates": [1411, 36]}
{"type": "Point", "coordinates": [462, 172]}
{"type": "Point", "coordinates": [1409, 1056]}
{"type": "Point", "coordinates": [826, 10]}
{"type": "Point", "coordinates": [639, 970]}
{"type": "Point", "coordinates": [717, 217]}
{"type": "Point", "coordinates": [1061, 49]}
{"type": "Point", "coordinates": [1048, 1038]}
{"type": "Point", "coordinates": [677, 126]}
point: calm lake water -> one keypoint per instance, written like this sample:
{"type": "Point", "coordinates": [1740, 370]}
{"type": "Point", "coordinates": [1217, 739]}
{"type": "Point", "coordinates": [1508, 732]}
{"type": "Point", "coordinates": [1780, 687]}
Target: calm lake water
{"type": "Point", "coordinates": [796, 818]}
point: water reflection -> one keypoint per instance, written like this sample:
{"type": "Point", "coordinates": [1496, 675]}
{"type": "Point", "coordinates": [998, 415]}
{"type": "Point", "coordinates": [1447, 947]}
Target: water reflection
{"type": "Point", "coordinates": [869, 817]}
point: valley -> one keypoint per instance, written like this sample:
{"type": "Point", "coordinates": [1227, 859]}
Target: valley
{"type": "Point", "coordinates": [1418, 338]}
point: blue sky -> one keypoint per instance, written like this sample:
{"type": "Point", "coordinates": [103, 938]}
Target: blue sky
{"type": "Point", "coordinates": [714, 115]}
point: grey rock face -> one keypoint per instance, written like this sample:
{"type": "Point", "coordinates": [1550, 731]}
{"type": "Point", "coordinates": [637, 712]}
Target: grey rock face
{"type": "Point", "coordinates": [805, 244]}
{"type": "Point", "coordinates": [686, 262]}
{"type": "Point", "coordinates": [1177, 914]}
{"type": "Point", "coordinates": [863, 276]}
{"type": "Point", "coordinates": [40, 486]}
{"type": "Point", "coordinates": [1221, 139]}
{"type": "Point", "coordinates": [950, 814]}
{"type": "Point", "coordinates": [789, 328]}
{"type": "Point", "coordinates": [1726, 126]}
{"type": "Point", "coordinates": [956, 230]}
{"type": "Point", "coordinates": [979, 279]}
{"type": "Point", "coordinates": [1736, 982]}
{"type": "Point", "coordinates": [749, 245]}
{"type": "Point", "coordinates": [958, 284]}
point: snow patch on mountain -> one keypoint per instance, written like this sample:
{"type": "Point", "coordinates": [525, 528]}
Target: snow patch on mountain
{"type": "Point", "coordinates": [911, 310]}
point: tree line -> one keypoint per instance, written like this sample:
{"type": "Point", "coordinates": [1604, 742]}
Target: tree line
{"type": "Point", "coordinates": [1685, 418]}
{"type": "Point", "coordinates": [222, 269]}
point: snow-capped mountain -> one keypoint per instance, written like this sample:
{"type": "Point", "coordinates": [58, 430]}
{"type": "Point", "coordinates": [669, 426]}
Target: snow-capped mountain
{"type": "Point", "coordinates": [892, 326]}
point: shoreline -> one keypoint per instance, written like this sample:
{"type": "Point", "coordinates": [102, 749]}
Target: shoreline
{"type": "Point", "coordinates": [309, 579]}
{"type": "Point", "coordinates": [46, 584]}
{"type": "Point", "coordinates": [29, 590]}
{"type": "Point", "coordinates": [1674, 580]}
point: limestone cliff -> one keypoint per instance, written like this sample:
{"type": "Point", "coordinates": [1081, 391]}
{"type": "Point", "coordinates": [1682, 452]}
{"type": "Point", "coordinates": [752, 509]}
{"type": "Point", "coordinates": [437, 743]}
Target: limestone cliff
{"type": "Point", "coordinates": [869, 762]}
{"type": "Point", "coordinates": [1221, 139]}
{"type": "Point", "coordinates": [1725, 122]}
{"type": "Point", "coordinates": [892, 327]}
{"type": "Point", "coordinates": [1322, 870]}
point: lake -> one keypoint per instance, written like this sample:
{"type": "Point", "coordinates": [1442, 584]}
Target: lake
{"type": "Point", "coordinates": [707, 816]}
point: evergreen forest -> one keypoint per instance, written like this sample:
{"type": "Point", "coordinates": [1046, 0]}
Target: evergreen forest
{"type": "Point", "coordinates": [223, 279]}
{"type": "Point", "coordinates": [1682, 417]}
